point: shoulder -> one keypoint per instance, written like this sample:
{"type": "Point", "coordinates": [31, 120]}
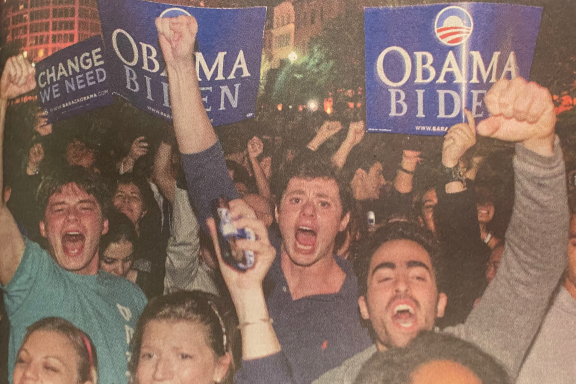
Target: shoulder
{"type": "Point", "coordinates": [346, 373]}
{"type": "Point", "coordinates": [122, 288]}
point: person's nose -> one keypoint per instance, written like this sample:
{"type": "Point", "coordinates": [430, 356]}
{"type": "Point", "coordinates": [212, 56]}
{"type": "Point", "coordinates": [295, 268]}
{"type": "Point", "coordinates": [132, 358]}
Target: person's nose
{"type": "Point", "coordinates": [402, 284]}
{"type": "Point", "coordinates": [308, 209]}
{"type": "Point", "coordinates": [163, 370]}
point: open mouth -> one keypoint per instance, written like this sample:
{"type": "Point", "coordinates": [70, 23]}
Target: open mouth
{"type": "Point", "coordinates": [404, 316]}
{"type": "Point", "coordinates": [305, 238]}
{"type": "Point", "coordinates": [73, 243]}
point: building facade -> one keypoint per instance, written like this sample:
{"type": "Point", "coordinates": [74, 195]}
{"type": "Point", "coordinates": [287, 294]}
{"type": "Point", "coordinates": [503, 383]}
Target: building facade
{"type": "Point", "coordinates": [42, 27]}
{"type": "Point", "coordinates": [281, 35]}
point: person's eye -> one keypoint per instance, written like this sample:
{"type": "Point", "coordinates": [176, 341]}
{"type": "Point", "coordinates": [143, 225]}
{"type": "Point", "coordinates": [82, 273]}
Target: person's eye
{"type": "Point", "coordinates": [87, 208]}
{"type": "Point", "coordinates": [51, 368]}
{"type": "Point", "coordinates": [295, 200]}
{"type": "Point", "coordinates": [108, 261]}
{"type": "Point", "coordinates": [185, 356]}
{"type": "Point", "coordinates": [146, 355]}
{"type": "Point", "coordinates": [325, 204]}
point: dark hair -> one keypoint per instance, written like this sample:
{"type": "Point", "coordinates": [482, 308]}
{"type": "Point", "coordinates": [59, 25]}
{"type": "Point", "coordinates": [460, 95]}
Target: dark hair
{"type": "Point", "coordinates": [82, 343]}
{"type": "Point", "coordinates": [119, 228]}
{"type": "Point", "coordinates": [313, 166]}
{"type": "Point", "coordinates": [396, 365]}
{"type": "Point", "coordinates": [141, 183]}
{"type": "Point", "coordinates": [195, 307]}
{"type": "Point", "coordinates": [398, 230]}
{"type": "Point", "coordinates": [89, 182]}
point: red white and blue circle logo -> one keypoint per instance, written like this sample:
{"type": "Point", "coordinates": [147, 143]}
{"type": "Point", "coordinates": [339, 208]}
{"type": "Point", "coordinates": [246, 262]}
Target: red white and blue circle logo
{"type": "Point", "coordinates": [453, 25]}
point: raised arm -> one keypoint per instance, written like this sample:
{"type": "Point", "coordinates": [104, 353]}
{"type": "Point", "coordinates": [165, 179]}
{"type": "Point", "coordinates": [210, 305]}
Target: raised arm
{"type": "Point", "coordinates": [457, 227]}
{"type": "Point", "coordinates": [255, 148]}
{"type": "Point", "coordinates": [162, 173]}
{"type": "Point", "coordinates": [405, 175]}
{"type": "Point", "coordinates": [206, 173]}
{"type": "Point", "coordinates": [263, 361]}
{"type": "Point", "coordinates": [193, 129]}
{"type": "Point", "coordinates": [17, 78]}
{"type": "Point", "coordinates": [513, 306]}
{"type": "Point", "coordinates": [356, 132]}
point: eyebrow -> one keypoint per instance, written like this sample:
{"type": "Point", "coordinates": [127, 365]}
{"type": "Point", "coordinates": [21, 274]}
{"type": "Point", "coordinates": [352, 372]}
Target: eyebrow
{"type": "Point", "coordinates": [409, 264]}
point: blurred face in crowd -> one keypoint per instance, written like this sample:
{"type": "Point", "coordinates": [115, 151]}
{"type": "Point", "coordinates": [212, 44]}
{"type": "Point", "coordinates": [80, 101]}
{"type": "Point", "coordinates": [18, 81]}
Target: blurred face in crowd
{"type": "Point", "coordinates": [494, 262]}
{"type": "Point", "coordinates": [374, 181]}
{"type": "Point", "coordinates": [429, 201]}
{"type": "Point", "coordinates": [41, 123]}
{"type": "Point", "coordinates": [72, 224]}
{"type": "Point", "coordinates": [485, 212]}
{"type": "Point", "coordinates": [47, 357]}
{"type": "Point", "coordinates": [128, 200]}
{"type": "Point", "coordinates": [444, 372]}
{"type": "Point", "coordinates": [179, 352]}
{"type": "Point", "coordinates": [117, 258]}
{"type": "Point", "coordinates": [78, 154]}
{"type": "Point", "coordinates": [570, 282]}
{"type": "Point", "coordinates": [310, 217]}
{"type": "Point", "coordinates": [402, 298]}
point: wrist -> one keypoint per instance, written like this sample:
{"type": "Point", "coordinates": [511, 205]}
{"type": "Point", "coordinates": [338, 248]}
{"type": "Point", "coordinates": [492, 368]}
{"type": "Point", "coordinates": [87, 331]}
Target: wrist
{"type": "Point", "coordinates": [543, 146]}
{"type": "Point", "coordinates": [250, 305]}
{"type": "Point", "coordinates": [409, 164]}
{"type": "Point", "coordinates": [449, 163]}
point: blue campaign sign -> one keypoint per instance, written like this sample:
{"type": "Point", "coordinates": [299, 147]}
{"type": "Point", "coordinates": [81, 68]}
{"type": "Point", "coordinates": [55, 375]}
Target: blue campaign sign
{"type": "Point", "coordinates": [74, 80]}
{"type": "Point", "coordinates": [424, 64]}
{"type": "Point", "coordinates": [227, 58]}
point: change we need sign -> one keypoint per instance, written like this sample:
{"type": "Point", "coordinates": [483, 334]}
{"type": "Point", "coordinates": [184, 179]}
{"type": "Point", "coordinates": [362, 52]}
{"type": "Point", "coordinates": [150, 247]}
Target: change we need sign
{"type": "Point", "coordinates": [74, 80]}
{"type": "Point", "coordinates": [424, 64]}
{"type": "Point", "coordinates": [227, 58]}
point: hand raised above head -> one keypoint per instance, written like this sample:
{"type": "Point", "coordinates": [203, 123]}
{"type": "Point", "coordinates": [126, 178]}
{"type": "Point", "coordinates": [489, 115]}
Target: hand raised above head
{"type": "Point", "coordinates": [255, 147]}
{"type": "Point", "coordinates": [459, 138]}
{"type": "Point", "coordinates": [177, 36]}
{"type": "Point", "coordinates": [520, 112]}
{"type": "Point", "coordinates": [356, 132]}
{"type": "Point", "coordinates": [17, 78]}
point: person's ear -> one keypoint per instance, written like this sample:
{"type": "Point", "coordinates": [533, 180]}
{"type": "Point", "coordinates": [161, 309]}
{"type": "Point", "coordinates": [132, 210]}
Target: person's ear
{"type": "Point", "coordinates": [42, 228]}
{"type": "Point", "coordinates": [276, 213]}
{"type": "Point", "coordinates": [344, 222]}
{"type": "Point", "coordinates": [363, 308]}
{"type": "Point", "coordinates": [222, 367]}
{"type": "Point", "coordinates": [441, 305]}
{"type": "Point", "coordinates": [105, 226]}
{"type": "Point", "coordinates": [93, 377]}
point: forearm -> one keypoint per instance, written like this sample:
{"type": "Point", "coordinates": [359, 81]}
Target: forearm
{"type": "Point", "coordinates": [3, 107]}
{"type": "Point", "coordinates": [125, 165]}
{"type": "Point", "coordinates": [534, 258]}
{"type": "Point", "coordinates": [162, 171]}
{"type": "Point", "coordinates": [261, 180]}
{"type": "Point", "coordinates": [194, 131]}
{"type": "Point", "coordinates": [11, 242]}
{"type": "Point", "coordinates": [339, 158]}
{"type": "Point", "coordinates": [405, 175]}
{"type": "Point", "coordinates": [258, 336]}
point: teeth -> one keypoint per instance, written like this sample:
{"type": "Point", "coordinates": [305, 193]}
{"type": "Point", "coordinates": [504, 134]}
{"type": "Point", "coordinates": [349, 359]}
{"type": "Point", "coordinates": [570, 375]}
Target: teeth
{"type": "Point", "coordinates": [304, 247]}
{"type": "Point", "coordinates": [305, 228]}
{"type": "Point", "coordinates": [73, 233]}
{"type": "Point", "coordinates": [403, 307]}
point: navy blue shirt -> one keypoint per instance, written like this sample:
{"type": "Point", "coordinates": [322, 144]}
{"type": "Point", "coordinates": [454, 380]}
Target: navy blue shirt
{"type": "Point", "coordinates": [317, 333]}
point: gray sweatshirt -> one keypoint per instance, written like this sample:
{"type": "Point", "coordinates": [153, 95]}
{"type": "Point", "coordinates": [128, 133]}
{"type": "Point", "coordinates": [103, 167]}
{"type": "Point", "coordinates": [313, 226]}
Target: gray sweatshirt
{"type": "Point", "coordinates": [505, 321]}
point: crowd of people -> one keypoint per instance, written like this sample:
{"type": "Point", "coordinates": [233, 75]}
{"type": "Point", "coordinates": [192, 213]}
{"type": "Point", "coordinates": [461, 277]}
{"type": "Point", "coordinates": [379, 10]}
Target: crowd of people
{"type": "Point", "coordinates": [376, 258]}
